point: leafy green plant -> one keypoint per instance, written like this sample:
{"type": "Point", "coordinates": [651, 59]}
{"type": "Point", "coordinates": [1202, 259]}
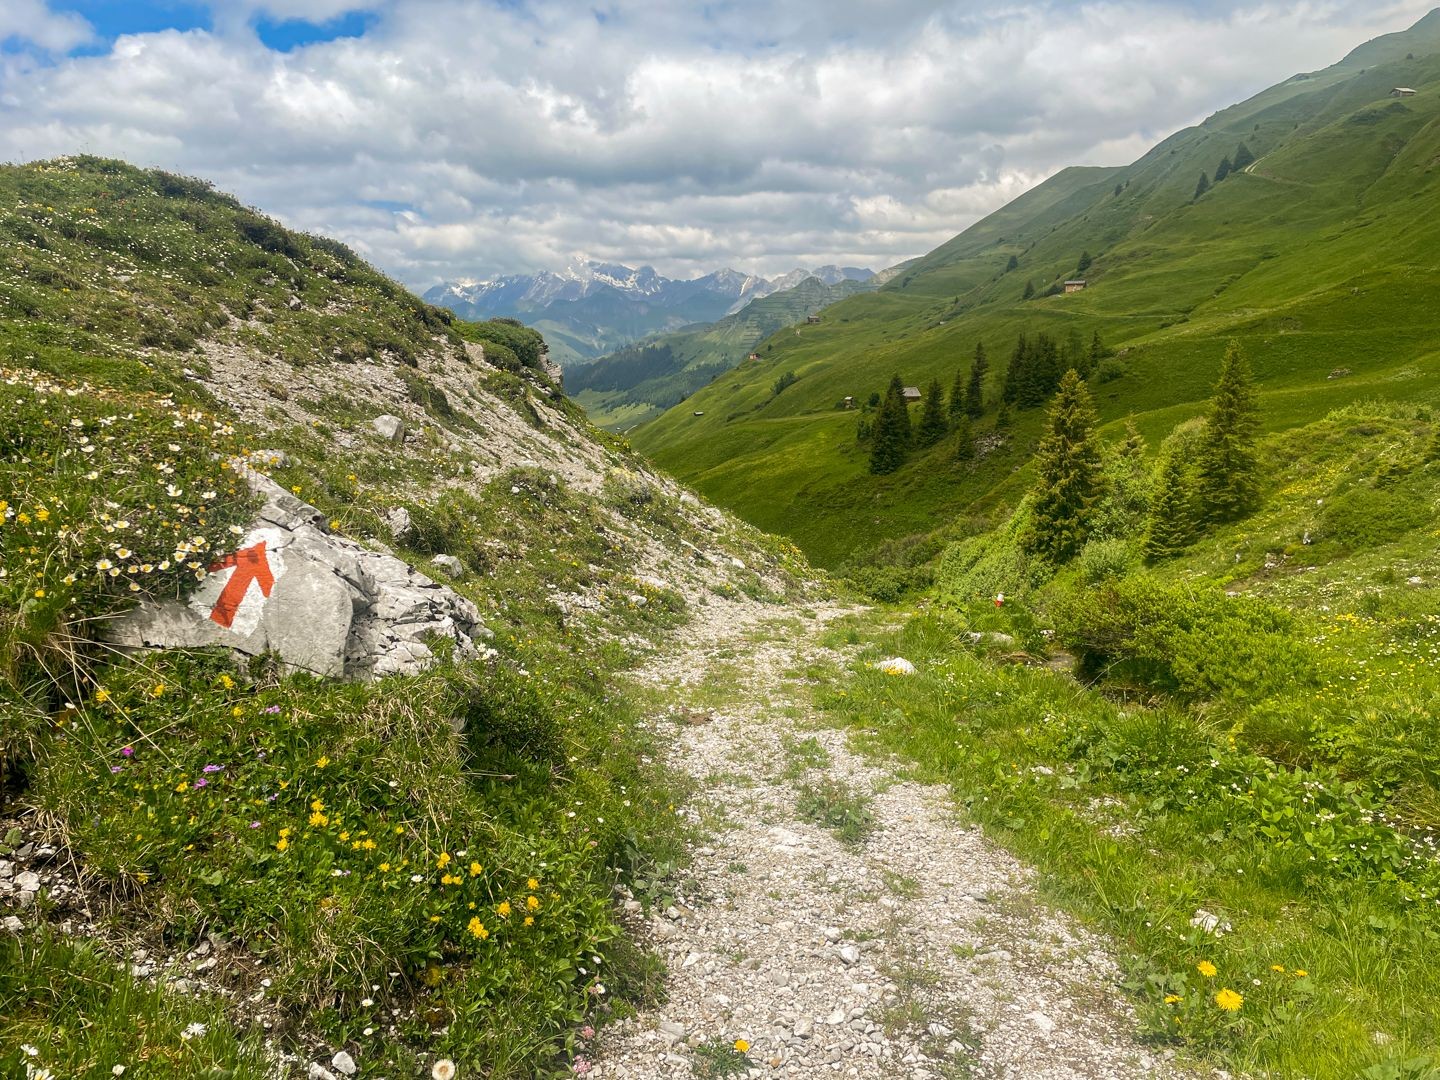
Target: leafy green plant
{"type": "Point", "coordinates": [830, 803]}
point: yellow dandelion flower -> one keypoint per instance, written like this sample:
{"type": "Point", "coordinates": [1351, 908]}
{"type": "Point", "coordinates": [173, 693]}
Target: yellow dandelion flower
{"type": "Point", "coordinates": [529, 921]}
{"type": "Point", "coordinates": [503, 909]}
{"type": "Point", "coordinates": [237, 711]}
{"type": "Point", "coordinates": [532, 884]}
{"type": "Point", "coordinates": [1206, 968]}
{"type": "Point", "coordinates": [321, 761]}
{"type": "Point", "coordinates": [1300, 973]}
{"type": "Point", "coordinates": [741, 1046]}
{"type": "Point", "coordinates": [102, 695]}
{"type": "Point", "coordinates": [476, 869]}
{"type": "Point", "coordinates": [384, 867]}
{"type": "Point", "coordinates": [1171, 999]}
{"type": "Point", "coordinates": [281, 844]}
{"type": "Point", "coordinates": [444, 860]}
{"type": "Point", "coordinates": [157, 690]}
{"type": "Point", "coordinates": [1229, 1000]}
{"type": "Point", "coordinates": [227, 682]}
{"type": "Point", "coordinates": [318, 820]}
{"type": "Point", "coordinates": [532, 903]}
{"type": "Point", "coordinates": [1278, 967]}
{"type": "Point", "coordinates": [477, 928]}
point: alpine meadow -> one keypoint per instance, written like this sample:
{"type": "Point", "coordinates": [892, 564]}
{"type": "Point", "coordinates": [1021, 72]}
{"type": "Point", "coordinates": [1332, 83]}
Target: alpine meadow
{"type": "Point", "coordinates": [1023, 661]}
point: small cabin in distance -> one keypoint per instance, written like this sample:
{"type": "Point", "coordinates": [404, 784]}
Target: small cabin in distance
{"type": "Point", "coordinates": [1402, 91]}
{"type": "Point", "coordinates": [812, 319]}
{"type": "Point", "coordinates": [753, 356]}
{"type": "Point", "coordinates": [911, 394]}
{"type": "Point", "coordinates": [1074, 285]}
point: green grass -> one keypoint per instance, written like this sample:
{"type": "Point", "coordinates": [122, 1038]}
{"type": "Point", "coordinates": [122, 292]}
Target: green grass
{"type": "Point", "coordinates": [836, 806]}
{"type": "Point", "coordinates": [67, 1009]}
{"type": "Point", "coordinates": [1317, 259]}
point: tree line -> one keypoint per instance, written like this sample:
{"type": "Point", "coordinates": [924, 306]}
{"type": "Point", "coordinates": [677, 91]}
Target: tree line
{"type": "Point", "coordinates": [1036, 367]}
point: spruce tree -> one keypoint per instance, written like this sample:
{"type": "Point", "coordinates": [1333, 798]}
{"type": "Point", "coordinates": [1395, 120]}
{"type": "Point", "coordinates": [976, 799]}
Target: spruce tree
{"type": "Point", "coordinates": [1098, 351]}
{"type": "Point", "coordinates": [975, 389]}
{"type": "Point", "coordinates": [1068, 483]}
{"type": "Point", "coordinates": [965, 447]}
{"type": "Point", "coordinates": [1223, 169]}
{"type": "Point", "coordinates": [933, 425]}
{"type": "Point", "coordinates": [1017, 374]}
{"type": "Point", "coordinates": [1172, 518]}
{"type": "Point", "coordinates": [1029, 290]}
{"type": "Point", "coordinates": [957, 395]}
{"type": "Point", "coordinates": [1084, 263]}
{"type": "Point", "coordinates": [890, 434]}
{"type": "Point", "coordinates": [1134, 445]}
{"type": "Point", "coordinates": [1203, 186]}
{"type": "Point", "coordinates": [1227, 471]}
{"type": "Point", "coordinates": [1013, 264]}
{"type": "Point", "coordinates": [1243, 158]}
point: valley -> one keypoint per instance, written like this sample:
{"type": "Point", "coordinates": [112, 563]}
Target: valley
{"type": "Point", "coordinates": [1021, 662]}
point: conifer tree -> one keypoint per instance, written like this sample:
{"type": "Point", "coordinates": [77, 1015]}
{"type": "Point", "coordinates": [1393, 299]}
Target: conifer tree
{"type": "Point", "coordinates": [957, 395]}
{"type": "Point", "coordinates": [1227, 471]}
{"type": "Point", "coordinates": [975, 389]}
{"type": "Point", "coordinates": [965, 447]}
{"type": "Point", "coordinates": [1029, 291]}
{"type": "Point", "coordinates": [1134, 444]}
{"type": "Point", "coordinates": [1017, 374]}
{"type": "Point", "coordinates": [1223, 169]}
{"type": "Point", "coordinates": [1002, 418]}
{"type": "Point", "coordinates": [933, 425]}
{"type": "Point", "coordinates": [1172, 518]}
{"type": "Point", "coordinates": [1013, 264]}
{"type": "Point", "coordinates": [1203, 186]}
{"type": "Point", "coordinates": [1098, 351]}
{"type": "Point", "coordinates": [890, 434]}
{"type": "Point", "coordinates": [1084, 263]}
{"type": "Point", "coordinates": [1243, 158]}
{"type": "Point", "coordinates": [1068, 465]}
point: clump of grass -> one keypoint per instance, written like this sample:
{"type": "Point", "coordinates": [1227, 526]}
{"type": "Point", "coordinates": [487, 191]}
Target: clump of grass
{"type": "Point", "coordinates": [802, 755]}
{"type": "Point", "coordinates": [112, 1020]}
{"type": "Point", "coordinates": [716, 1058]}
{"type": "Point", "coordinates": [837, 807]}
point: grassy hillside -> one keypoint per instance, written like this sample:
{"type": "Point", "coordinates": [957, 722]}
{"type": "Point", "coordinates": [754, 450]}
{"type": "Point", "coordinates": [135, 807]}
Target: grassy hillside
{"type": "Point", "coordinates": [412, 869]}
{"type": "Point", "coordinates": [1226, 759]}
{"type": "Point", "coordinates": [643, 380]}
{"type": "Point", "coordinates": [1319, 257]}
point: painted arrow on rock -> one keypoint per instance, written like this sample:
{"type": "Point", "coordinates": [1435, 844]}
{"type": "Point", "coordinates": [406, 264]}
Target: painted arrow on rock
{"type": "Point", "coordinates": [250, 564]}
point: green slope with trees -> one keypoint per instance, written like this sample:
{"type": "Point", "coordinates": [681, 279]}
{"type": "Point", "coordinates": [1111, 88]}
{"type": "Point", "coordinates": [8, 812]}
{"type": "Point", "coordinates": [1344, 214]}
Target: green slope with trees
{"type": "Point", "coordinates": [1315, 250]}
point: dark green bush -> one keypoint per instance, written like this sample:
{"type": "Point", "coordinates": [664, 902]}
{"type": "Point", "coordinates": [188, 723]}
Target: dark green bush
{"type": "Point", "coordinates": [1194, 641]}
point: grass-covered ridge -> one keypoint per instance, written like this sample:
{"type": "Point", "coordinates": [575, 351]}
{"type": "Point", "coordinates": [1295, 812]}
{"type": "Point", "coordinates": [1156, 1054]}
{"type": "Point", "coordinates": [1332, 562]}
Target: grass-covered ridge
{"type": "Point", "coordinates": [414, 869]}
{"type": "Point", "coordinates": [1318, 257]}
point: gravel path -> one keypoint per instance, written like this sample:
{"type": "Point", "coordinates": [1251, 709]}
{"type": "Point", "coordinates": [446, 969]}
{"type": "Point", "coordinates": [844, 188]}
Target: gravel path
{"type": "Point", "coordinates": [920, 951]}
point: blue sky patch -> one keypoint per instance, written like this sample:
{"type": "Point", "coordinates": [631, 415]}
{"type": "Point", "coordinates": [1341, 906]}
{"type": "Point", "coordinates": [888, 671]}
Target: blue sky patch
{"type": "Point", "coordinates": [286, 35]}
{"type": "Point", "coordinates": [112, 18]}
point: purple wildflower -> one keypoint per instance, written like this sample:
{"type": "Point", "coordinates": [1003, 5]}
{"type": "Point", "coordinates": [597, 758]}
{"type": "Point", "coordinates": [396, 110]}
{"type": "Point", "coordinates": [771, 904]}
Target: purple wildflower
{"type": "Point", "coordinates": [254, 824]}
{"type": "Point", "coordinates": [202, 782]}
{"type": "Point", "coordinates": [114, 768]}
{"type": "Point", "coordinates": [213, 768]}
{"type": "Point", "coordinates": [127, 751]}
{"type": "Point", "coordinates": [272, 708]}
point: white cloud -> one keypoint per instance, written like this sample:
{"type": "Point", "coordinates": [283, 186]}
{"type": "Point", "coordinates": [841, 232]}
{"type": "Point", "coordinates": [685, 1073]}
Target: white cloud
{"type": "Point", "coordinates": [750, 133]}
{"type": "Point", "coordinates": [30, 21]}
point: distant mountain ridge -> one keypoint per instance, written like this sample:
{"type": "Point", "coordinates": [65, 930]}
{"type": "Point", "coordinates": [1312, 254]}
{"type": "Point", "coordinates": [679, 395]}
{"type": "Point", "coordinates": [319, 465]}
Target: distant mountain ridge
{"type": "Point", "coordinates": [589, 308]}
{"type": "Point", "coordinates": [643, 379]}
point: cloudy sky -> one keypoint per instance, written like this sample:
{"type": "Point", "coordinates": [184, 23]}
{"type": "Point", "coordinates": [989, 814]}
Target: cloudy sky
{"type": "Point", "coordinates": [468, 138]}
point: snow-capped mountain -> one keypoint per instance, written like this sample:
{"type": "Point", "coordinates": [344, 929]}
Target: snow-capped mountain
{"type": "Point", "coordinates": [591, 308]}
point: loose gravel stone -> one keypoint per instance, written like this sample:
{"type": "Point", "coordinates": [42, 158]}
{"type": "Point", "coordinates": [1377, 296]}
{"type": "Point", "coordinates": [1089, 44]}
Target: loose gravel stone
{"type": "Point", "coordinates": [923, 951]}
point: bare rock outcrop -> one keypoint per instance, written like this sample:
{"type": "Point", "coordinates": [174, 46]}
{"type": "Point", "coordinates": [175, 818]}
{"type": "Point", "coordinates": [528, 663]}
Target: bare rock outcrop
{"type": "Point", "coordinates": [322, 603]}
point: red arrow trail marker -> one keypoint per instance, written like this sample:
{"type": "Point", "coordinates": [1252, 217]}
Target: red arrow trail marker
{"type": "Point", "coordinates": [250, 565]}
